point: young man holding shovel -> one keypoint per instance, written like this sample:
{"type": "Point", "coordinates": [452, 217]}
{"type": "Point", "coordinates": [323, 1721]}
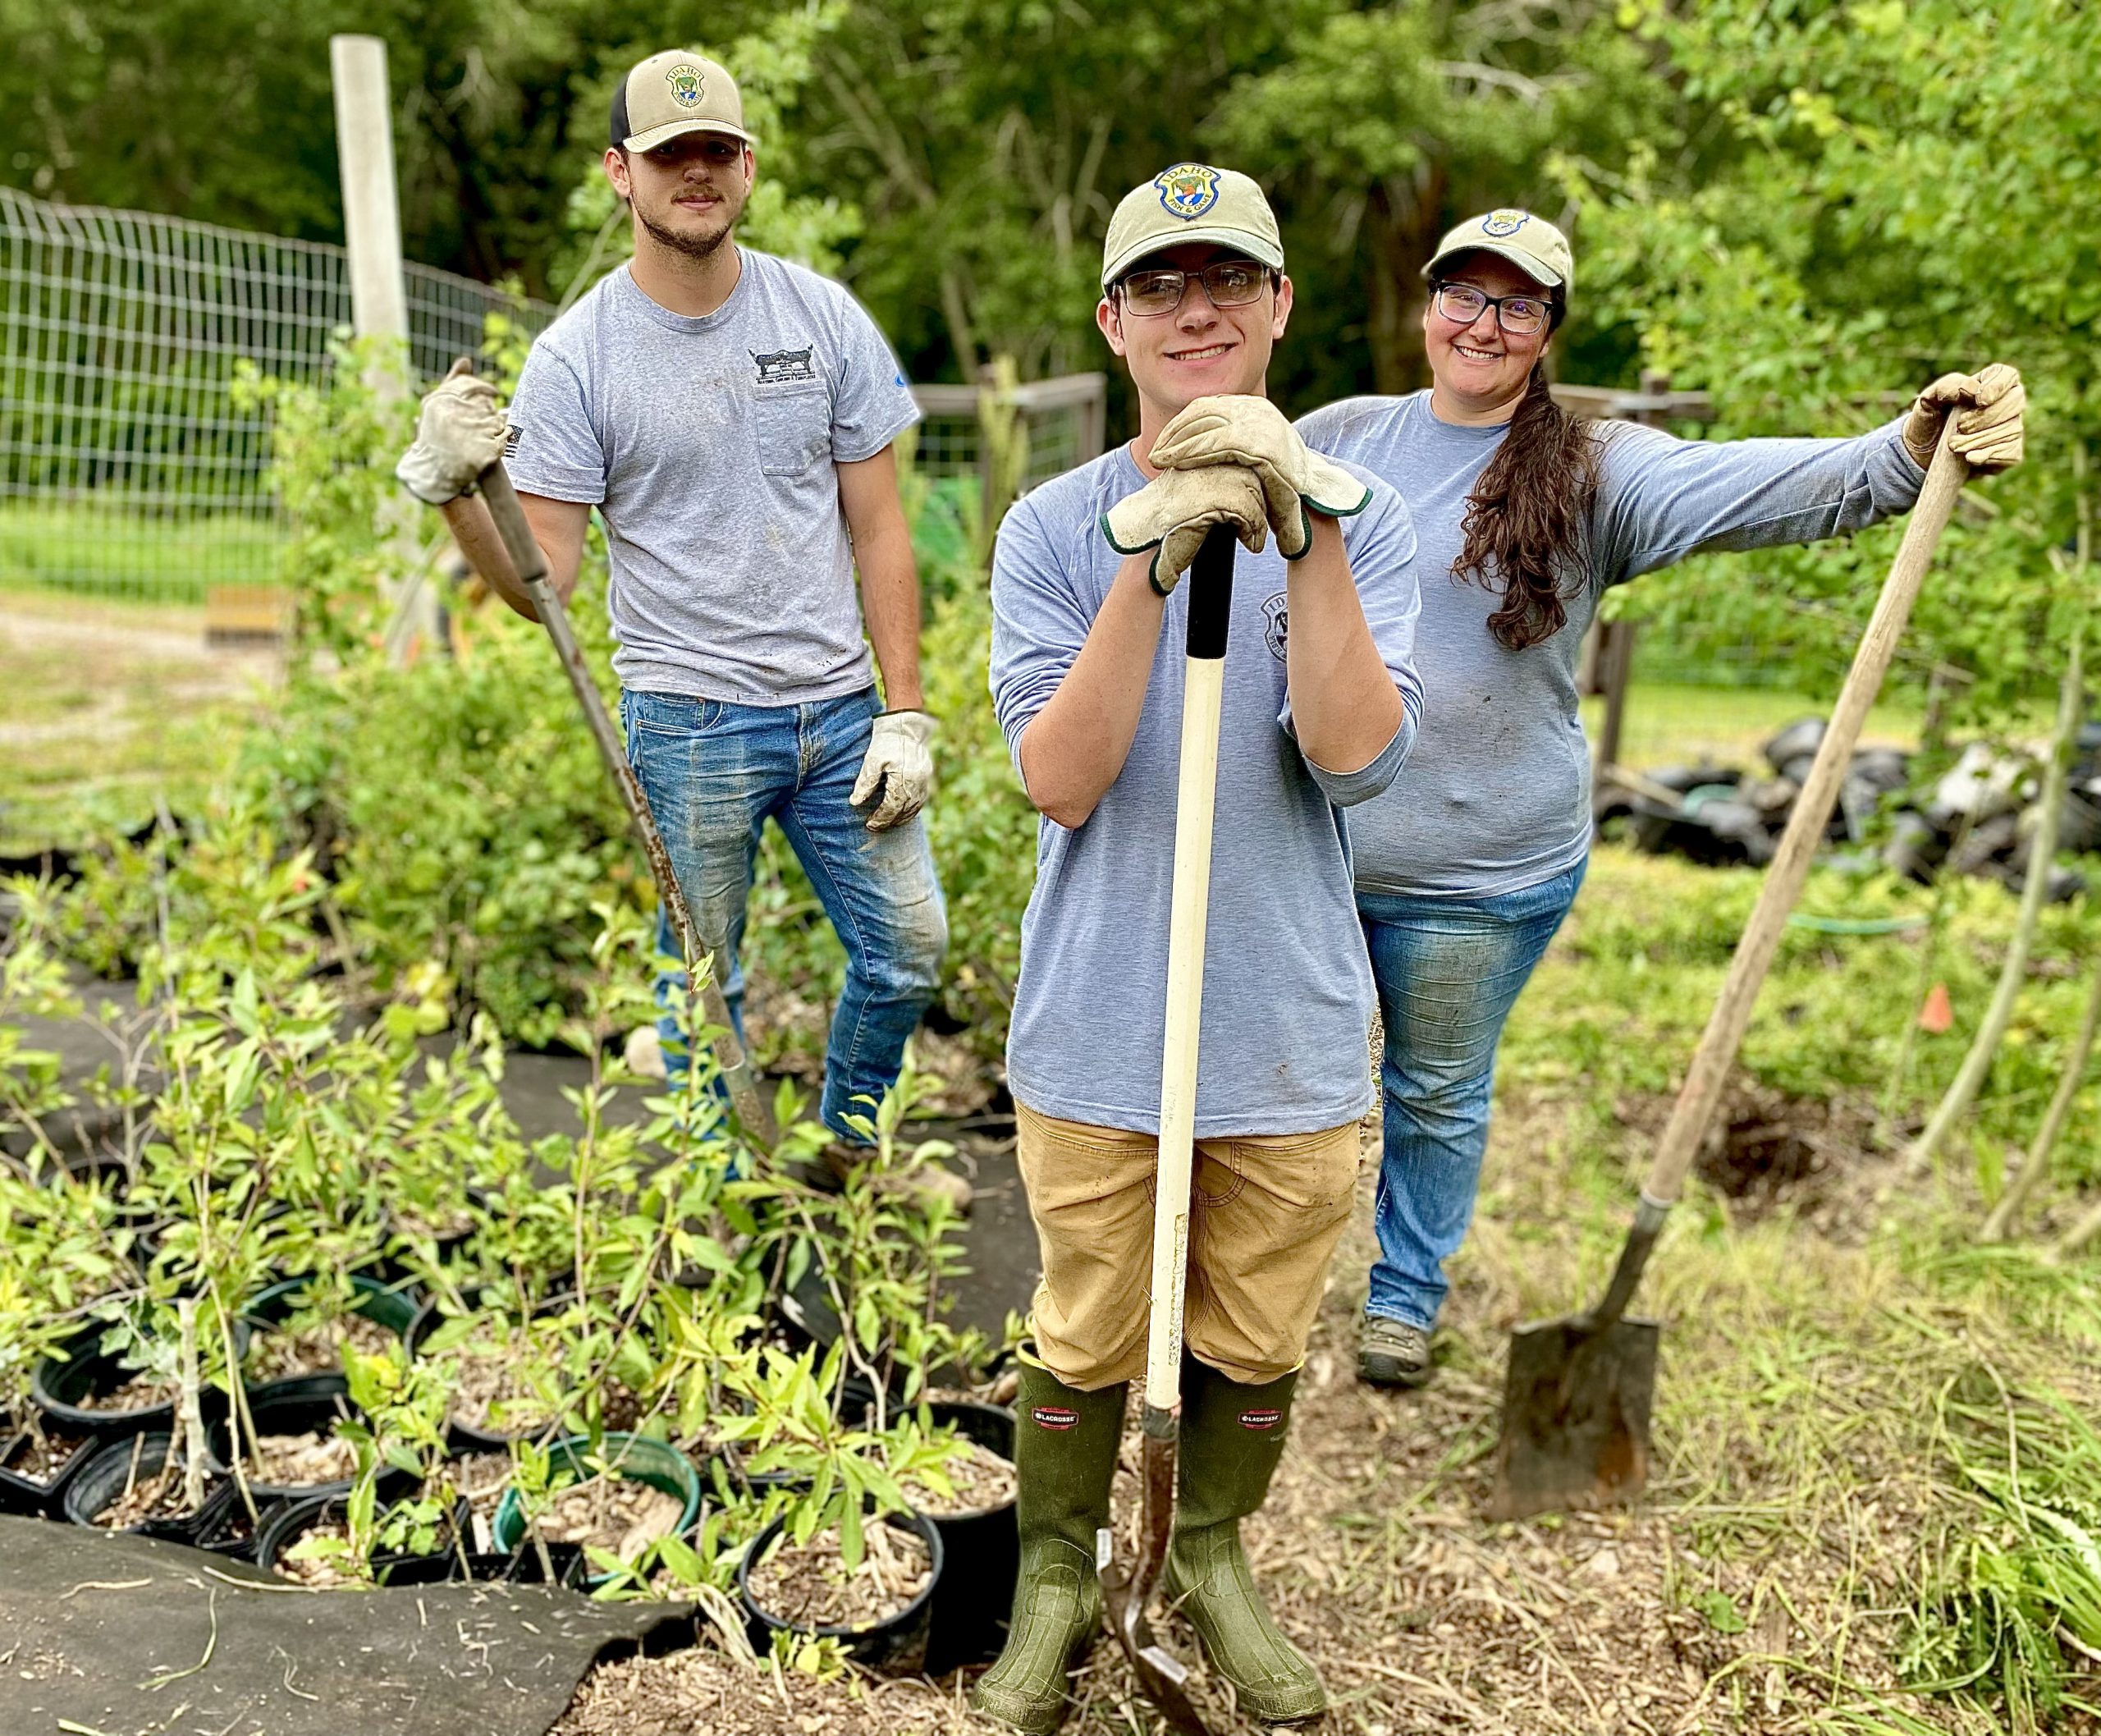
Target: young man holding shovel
{"type": "Point", "coordinates": [731, 416]}
{"type": "Point", "coordinates": [1320, 704]}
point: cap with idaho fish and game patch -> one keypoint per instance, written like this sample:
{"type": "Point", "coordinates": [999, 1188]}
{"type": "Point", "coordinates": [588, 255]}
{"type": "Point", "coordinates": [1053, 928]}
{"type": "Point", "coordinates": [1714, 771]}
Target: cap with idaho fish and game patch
{"type": "Point", "coordinates": [1191, 202]}
{"type": "Point", "coordinates": [675, 93]}
{"type": "Point", "coordinates": [1531, 243]}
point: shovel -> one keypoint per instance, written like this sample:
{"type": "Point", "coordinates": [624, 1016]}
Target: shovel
{"type": "Point", "coordinates": [747, 1106]}
{"type": "Point", "coordinates": [1575, 1402]}
{"type": "Point", "coordinates": [1126, 1588]}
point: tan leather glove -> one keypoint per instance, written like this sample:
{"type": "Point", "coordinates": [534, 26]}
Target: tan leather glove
{"type": "Point", "coordinates": [899, 763]}
{"type": "Point", "coordinates": [1171, 514]}
{"type": "Point", "coordinates": [1989, 407]}
{"type": "Point", "coordinates": [1252, 431]}
{"type": "Point", "coordinates": [459, 434]}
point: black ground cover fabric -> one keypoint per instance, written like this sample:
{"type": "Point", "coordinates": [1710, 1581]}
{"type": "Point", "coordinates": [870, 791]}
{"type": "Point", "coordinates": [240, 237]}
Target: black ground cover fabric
{"type": "Point", "coordinates": [118, 1636]}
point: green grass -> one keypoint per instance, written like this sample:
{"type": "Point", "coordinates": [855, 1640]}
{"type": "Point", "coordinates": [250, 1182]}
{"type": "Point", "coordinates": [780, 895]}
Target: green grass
{"type": "Point", "coordinates": [1673, 723]}
{"type": "Point", "coordinates": [107, 551]}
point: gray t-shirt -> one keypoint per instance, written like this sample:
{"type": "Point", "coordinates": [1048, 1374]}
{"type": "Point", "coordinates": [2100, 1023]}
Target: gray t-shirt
{"type": "Point", "coordinates": [709, 446]}
{"type": "Point", "coordinates": [1288, 992]}
{"type": "Point", "coordinates": [1497, 794]}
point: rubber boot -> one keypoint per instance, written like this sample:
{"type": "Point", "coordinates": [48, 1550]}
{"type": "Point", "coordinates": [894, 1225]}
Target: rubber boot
{"type": "Point", "coordinates": [1232, 1437]}
{"type": "Point", "coordinates": [1065, 1443]}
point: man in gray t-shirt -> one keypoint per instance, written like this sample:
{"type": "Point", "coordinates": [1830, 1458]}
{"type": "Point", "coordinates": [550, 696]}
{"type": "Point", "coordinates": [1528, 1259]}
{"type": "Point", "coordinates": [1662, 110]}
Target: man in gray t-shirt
{"type": "Point", "coordinates": [1320, 699]}
{"type": "Point", "coordinates": [730, 416]}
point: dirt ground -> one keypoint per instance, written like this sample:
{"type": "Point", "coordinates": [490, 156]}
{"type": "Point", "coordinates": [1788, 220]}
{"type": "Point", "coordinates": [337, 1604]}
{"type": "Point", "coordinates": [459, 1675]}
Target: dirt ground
{"type": "Point", "coordinates": [1424, 1617]}
{"type": "Point", "coordinates": [110, 704]}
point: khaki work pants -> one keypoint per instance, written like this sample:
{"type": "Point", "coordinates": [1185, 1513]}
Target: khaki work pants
{"type": "Point", "coordinates": [1266, 1211]}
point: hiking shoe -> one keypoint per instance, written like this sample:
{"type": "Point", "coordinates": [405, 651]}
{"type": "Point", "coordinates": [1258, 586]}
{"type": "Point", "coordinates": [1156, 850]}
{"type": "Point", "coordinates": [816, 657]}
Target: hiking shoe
{"type": "Point", "coordinates": [1393, 1352]}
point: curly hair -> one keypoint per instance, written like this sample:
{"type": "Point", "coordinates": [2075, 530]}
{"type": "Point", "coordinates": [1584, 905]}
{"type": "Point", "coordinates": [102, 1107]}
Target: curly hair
{"type": "Point", "coordinates": [1526, 519]}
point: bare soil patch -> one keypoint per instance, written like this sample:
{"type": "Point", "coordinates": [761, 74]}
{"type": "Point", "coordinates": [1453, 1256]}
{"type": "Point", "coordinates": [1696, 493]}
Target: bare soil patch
{"type": "Point", "coordinates": [810, 1584]}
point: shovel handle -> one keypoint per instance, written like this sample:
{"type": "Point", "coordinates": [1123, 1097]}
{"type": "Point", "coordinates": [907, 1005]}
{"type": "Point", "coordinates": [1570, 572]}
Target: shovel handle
{"type": "Point", "coordinates": [1203, 684]}
{"type": "Point", "coordinates": [1694, 1111]}
{"type": "Point", "coordinates": [739, 1080]}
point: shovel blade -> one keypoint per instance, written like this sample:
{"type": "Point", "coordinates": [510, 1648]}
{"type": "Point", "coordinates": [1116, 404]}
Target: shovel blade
{"type": "Point", "coordinates": [1575, 1416]}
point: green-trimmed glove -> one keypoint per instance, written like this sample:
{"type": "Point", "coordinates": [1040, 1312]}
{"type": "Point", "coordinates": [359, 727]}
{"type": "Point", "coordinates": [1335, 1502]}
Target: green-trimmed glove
{"type": "Point", "coordinates": [1297, 481]}
{"type": "Point", "coordinates": [1172, 512]}
{"type": "Point", "coordinates": [1988, 407]}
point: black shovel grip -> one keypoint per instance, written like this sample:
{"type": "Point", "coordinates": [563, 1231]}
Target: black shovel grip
{"type": "Point", "coordinates": [1210, 594]}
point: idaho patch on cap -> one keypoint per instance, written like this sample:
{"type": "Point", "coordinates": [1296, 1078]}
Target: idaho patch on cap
{"type": "Point", "coordinates": [686, 80]}
{"type": "Point", "coordinates": [1055, 1416]}
{"type": "Point", "coordinates": [1188, 191]}
{"type": "Point", "coordinates": [1265, 1417]}
{"type": "Point", "coordinates": [1506, 222]}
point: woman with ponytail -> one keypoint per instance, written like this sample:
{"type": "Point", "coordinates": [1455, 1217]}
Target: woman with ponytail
{"type": "Point", "coordinates": [1465, 866]}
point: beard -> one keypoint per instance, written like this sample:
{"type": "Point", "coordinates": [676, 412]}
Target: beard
{"type": "Point", "coordinates": [694, 246]}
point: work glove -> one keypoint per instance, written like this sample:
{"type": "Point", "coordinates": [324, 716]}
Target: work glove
{"type": "Point", "coordinates": [459, 434]}
{"type": "Point", "coordinates": [1172, 514]}
{"type": "Point", "coordinates": [1253, 432]}
{"type": "Point", "coordinates": [899, 763]}
{"type": "Point", "coordinates": [1987, 407]}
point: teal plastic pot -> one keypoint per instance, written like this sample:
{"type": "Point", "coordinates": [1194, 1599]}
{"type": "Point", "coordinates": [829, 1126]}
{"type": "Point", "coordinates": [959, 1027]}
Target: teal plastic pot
{"type": "Point", "coordinates": [639, 1459]}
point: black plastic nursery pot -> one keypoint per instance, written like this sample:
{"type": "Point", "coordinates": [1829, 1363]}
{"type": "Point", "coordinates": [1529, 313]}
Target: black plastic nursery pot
{"type": "Point", "coordinates": [58, 1454]}
{"type": "Point", "coordinates": [312, 1403]}
{"type": "Point", "coordinates": [897, 1645]}
{"type": "Point", "coordinates": [61, 1385]}
{"type": "Point", "coordinates": [392, 1306]}
{"type": "Point", "coordinates": [288, 1521]}
{"type": "Point", "coordinates": [101, 1481]}
{"type": "Point", "coordinates": [464, 1437]}
{"type": "Point", "coordinates": [225, 1526]}
{"type": "Point", "coordinates": [974, 1593]}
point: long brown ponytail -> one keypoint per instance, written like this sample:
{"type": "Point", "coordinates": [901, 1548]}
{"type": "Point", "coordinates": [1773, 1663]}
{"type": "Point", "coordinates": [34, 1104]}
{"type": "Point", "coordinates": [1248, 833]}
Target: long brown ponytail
{"type": "Point", "coordinates": [1525, 520]}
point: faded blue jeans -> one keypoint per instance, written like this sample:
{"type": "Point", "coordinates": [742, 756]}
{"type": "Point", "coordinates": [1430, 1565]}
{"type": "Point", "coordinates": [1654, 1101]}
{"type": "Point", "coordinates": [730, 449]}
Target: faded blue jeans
{"type": "Point", "coordinates": [715, 772]}
{"type": "Point", "coordinates": [1448, 970]}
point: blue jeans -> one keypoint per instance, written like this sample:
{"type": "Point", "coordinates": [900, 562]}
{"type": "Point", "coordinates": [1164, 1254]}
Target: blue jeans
{"type": "Point", "coordinates": [715, 772]}
{"type": "Point", "coordinates": [1449, 970]}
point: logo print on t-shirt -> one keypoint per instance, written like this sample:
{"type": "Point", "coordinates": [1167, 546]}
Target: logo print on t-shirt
{"type": "Point", "coordinates": [783, 366]}
{"type": "Point", "coordinates": [1276, 611]}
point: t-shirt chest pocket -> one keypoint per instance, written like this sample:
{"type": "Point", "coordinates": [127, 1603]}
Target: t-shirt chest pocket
{"type": "Point", "coordinates": [792, 426]}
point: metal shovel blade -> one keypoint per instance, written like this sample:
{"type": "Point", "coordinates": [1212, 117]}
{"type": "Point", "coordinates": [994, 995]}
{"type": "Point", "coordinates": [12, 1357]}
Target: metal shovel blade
{"type": "Point", "coordinates": [1575, 1416]}
{"type": "Point", "coordinates": [1163, 1678]}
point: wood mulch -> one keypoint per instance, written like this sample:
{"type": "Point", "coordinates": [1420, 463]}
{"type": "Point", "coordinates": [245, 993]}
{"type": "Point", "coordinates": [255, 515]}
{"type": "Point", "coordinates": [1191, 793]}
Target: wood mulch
{"type": "Point", "coordinates": [40, 1455]}
{"type": "Point", "coordinates": [137, 1392]}
{"type": "Point", "coordinates": [808, 1584]}
{"type": "Point", "coordinates": [701, 1693]}
{"type": "Point", "coordinates": [324, 1574]}
{"type": "Point", "coordinates": [611, 1513]}
{"type": "Point", "coordinates": [300, 1461]}
{"type": "Point", "coordinates": [981, 1479]}
{"type": "Point", "coordinates": [279, 1355]}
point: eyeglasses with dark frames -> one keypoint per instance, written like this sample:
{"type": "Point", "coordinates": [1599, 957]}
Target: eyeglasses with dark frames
{"type": "Point", "coordinates": [1230, 283]}
{"type": "Point", "coordinates": [1463, 304]}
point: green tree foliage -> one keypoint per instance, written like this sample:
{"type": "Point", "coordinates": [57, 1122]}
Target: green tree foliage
{"type": "Point", "coordinates": [1899, 191]}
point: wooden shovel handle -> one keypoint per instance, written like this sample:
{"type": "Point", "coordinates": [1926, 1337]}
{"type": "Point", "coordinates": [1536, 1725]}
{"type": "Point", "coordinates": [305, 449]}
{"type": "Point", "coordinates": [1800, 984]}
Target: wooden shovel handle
{"type": "Point", "coordinates": [1210, 605]}
{"type": "Point", "coordinates": [1694, 1110]}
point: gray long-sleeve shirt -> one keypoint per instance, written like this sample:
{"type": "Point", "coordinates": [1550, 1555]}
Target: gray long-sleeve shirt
{"type": "Point", "coordinates": [1496, 794]}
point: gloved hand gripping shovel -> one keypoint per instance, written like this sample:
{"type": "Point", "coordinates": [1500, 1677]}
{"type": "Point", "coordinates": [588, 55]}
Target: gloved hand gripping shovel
{"type": "Point", "coordinates": [1125, 1588]}
{"type": "Point", "coordinates": [1576, 1404]}
{"type": "Point", "coordinates": [747, 1106]}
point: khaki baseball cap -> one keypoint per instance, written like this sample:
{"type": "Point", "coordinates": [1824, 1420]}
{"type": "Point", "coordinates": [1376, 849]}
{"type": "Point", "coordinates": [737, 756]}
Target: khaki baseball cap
{"type": "Point", "coordinates": [1531, 243]}
{"type": "Point", "coordinates": [673, 94]}
{"type": "Point", "coordinates": [1191, 202]}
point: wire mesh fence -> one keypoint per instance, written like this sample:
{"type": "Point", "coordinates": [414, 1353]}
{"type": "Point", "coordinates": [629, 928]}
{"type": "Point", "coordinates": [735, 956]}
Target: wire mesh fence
{"type": "Point", "coordinates": [127, 468]}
